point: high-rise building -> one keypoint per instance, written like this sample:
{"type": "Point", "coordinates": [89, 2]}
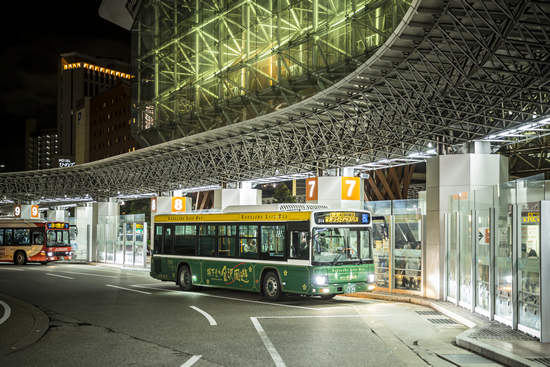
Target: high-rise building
{"type": "Point", "coordinates": [110, 124]}
{"type": "Point", "coordinates": [81, 77]}
{"type": "Point", "coordinates": [41, 145]}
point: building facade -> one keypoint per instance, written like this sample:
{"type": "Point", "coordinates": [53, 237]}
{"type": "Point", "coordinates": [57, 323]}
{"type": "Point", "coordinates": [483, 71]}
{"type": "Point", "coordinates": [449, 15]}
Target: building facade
{"type": "Point", "coordinates": [41, 146]}
{"type": "Point", "coordinates": [79, 77]}
{"type": "Point", "coordinates": [110, 123]}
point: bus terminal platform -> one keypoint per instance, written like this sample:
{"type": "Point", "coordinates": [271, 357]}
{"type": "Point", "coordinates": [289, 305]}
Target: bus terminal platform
{"type": "Point", "coordinates": [26, 324]}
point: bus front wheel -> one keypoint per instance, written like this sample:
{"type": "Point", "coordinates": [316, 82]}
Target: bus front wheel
{"type": "Point", "coordinates": [185, 279]}
{"type": "Point", "coordinates": [272, 287]}
{"type": "Point", "coordinates": [19, 258]}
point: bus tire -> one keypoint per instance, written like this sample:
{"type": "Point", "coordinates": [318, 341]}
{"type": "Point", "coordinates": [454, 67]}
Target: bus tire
{"type": "Point", "coordinates": [185, 279]}
{"type": "Point", "coordinates": [272, 287]}
{"type": "Point", "coordinates": [20, 258]}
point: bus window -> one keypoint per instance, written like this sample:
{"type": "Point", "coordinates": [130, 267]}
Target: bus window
{"type": "Point", "coordinates": [38, 238]}
{"type": "Point", "coordinates": [299, 245]}
{"type": "Point", "coordinates": [157, 246]}
{"type": "Point", "coordinates": [248, 241]}
{"type": "Point", "coordinates": [8, 237]}
{"type": "Point", "coordinates": [227, 241]}
{"type": "Point", "coordinates": [184, 240]}
{"type": "Point", "coordinates": [167, 248]}
{"type": "Point", "coordinates": [207, 240]}
{"type": "Point", "coordinates": [21, 236]}
{"type": "Point", "coordinates": [2, 237]}
{"type": "Point", "coordinates": [273, 242]}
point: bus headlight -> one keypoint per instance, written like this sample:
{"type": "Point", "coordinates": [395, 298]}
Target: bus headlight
{"type": "Point", "coordinates": [50, 253]}
{"type": "Point", "coordinates": [371, 278]}
{"type": "Point", "coordinates": [320, 280]}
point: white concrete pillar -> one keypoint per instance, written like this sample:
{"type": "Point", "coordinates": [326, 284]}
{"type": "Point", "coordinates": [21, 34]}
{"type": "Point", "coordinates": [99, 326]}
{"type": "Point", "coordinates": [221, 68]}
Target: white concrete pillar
{"type": "Point", "coordinates": [226, 197]}
{"type": "Point", "coordinates": [58, 215]}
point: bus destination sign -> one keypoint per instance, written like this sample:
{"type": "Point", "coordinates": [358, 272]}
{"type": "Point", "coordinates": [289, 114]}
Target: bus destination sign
{"type": "Point", "coordinates": [356, 218]}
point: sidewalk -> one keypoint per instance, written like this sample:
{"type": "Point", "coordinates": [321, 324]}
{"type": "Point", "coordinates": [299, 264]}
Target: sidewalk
{"type": "Point", "coordinates": [487, 338]}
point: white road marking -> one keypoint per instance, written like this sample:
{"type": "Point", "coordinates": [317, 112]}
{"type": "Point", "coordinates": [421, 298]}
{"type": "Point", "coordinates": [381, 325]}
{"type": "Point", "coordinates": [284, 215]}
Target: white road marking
{"type": "Point", "coordinates": [191, 361]}
{"type": "Point", "coordinates": [126, 289]}
{"type": "Point", "coordinates": [10, 268]}
{"type": "Point", "coordinates": [79, 273]}
{"type": "Point", "coordinates": [267, 342]}
{"type": "Point", "coordinates": [205, 314]}
{"type": "Point", "coordinates": [232, 299]}
{"type": "Point", "coordinates": [61, 276]}
{"type": "Point", "coordinates": [270, 348]}
{"type": "Point", "coordinates": [7, 312]}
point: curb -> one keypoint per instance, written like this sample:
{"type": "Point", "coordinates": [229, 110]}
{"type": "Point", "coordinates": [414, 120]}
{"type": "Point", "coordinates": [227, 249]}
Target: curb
{"type": "Point", "coordinates": [463, 340]}
{"type": "Point", "coordinates": [40, 327]}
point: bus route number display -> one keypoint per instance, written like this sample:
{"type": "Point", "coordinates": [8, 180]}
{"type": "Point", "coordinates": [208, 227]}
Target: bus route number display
{"type": "Point", "coordinates": [342, 218]}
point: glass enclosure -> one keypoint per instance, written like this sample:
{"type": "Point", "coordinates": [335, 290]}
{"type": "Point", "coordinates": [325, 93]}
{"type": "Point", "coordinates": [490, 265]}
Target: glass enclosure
{"type": "Point", "coordinates": [202, 65]}
{"type": "Point", "coordinates": [397, 244]}
{"type": "Point", "coordinates": [122, 239]}
{"type": "Point", "coordinates": [501, 227]}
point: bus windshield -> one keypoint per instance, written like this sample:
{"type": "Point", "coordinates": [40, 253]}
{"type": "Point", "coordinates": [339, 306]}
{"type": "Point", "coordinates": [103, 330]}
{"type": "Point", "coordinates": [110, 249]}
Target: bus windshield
{"type": "Point", "coordinates": [57, 238]}
{"type": "Point", "coordinates": [343, 244]}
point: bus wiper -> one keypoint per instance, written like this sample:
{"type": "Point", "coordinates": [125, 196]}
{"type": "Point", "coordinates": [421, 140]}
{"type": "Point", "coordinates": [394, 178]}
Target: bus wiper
{"type": "Point", "coordinates": [337, 257]}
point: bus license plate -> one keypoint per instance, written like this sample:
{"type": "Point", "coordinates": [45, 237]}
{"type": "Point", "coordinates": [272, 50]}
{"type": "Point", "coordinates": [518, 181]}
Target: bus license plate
{"type": "Point", "coordinates": [61, 258]}
{"type": "Point", "coordinates": [350, 289]}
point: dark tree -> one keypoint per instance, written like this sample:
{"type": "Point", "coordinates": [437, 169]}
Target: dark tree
{"type": "Point", "coordinates": [282, 194]}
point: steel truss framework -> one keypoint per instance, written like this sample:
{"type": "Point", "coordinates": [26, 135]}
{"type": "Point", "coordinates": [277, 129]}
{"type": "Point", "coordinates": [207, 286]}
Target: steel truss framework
{"type": "Point", "coordinates": [453, 71]}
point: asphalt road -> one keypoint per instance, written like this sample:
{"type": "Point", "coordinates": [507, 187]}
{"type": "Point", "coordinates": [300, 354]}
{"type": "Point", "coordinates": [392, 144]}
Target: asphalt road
{"type": "Point", "coordinates": [105, 316]}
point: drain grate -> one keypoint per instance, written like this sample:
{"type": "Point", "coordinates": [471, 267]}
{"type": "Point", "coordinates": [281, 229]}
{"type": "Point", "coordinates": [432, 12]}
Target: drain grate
{"type": "Point", "coordinates": [435, 313]}
{"type": "Point", "coordinates": [442, 321]}
{"type": "Point", "coordinates": [545, 361]}
{"type": "Point", "coordinates": [496, 331]}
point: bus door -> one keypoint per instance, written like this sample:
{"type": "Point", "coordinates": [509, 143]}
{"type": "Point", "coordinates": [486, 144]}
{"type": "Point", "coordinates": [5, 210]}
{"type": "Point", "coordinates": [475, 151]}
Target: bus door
{"type": "Point", "coordinates": [298, 241]}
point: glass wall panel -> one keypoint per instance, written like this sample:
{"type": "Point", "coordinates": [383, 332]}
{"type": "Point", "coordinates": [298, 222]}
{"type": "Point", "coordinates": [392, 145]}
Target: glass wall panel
{"type": "Point", "coordinates": [129, 243]}
{"type": "Point", "coordinates": [407, 251]}
{"type": "Point", "coordinates": [452, 250]}
{"type": "Point", "coordinates": [140, 246]}
{"type": "Point", "coordinates": [381, 241]}
{"type": "Point", "coordinates": [529, 195]}
{"type": "Point", "coordinates": [119, 249]}
{"type": "Point", "coordinates": [483, 201]}
{"type": "Point", "coordinates": [110, 239]}
{"type": "Point", "coordinates": [465, 245]}
{"type": "Point", "coordinates": [505, 195]}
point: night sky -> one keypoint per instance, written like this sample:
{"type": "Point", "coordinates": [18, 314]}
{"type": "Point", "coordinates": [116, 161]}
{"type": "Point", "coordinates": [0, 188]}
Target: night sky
{"type": "Point", "coordinates": [29, 57]}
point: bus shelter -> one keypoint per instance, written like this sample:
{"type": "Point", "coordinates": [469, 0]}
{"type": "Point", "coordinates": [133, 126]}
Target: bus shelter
{"type": "Point", "coordinates": [398, 235]}
{"type": "Point", "coordinates": [122, 239]}
{"type": "Point", "coordinates": [497, 253]}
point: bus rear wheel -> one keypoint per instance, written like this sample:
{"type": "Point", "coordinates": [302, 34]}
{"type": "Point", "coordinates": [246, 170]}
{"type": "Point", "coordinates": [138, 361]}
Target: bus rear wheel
{"type": "Point", "coordinates": [272, 287]}
{"type": "Point", "coordinates": [185, 280]}
{"type": "Point", "coordinates": [20, 258]}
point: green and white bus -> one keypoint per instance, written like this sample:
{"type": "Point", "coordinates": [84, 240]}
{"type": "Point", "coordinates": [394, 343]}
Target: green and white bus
{"type": "Point", "coordinates": [271, 249]}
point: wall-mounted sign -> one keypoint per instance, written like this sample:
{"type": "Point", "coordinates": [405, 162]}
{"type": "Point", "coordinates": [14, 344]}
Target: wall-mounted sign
{"type": "Point", "coordinates": [312, 191]}
{"type": "Point", "coordinates": [65, 162]}
{"type": "Point", "coordinates": [17, 211]}
{"type": "Point", "coordinates": [351, 188]}
{"type": "Point", "coordinates": [153, 205]}
{"type": "Point", "coordinates": [34, 212]}
{"type": "Point", "coordinates": [178, 204]}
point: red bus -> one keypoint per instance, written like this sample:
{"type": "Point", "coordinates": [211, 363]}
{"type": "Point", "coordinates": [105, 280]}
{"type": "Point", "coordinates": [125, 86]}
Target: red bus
{"type": "Point", "coordinates": [24, 240]}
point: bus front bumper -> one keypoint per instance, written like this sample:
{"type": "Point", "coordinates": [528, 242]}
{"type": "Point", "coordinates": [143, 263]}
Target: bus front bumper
{"type": "Point", "coordinates": [343, 288]}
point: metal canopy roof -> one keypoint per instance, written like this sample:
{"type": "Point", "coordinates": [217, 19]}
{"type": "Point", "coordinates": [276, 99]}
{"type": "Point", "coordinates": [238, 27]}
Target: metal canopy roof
{"type": "Point", "coordinates": [454, 71]}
